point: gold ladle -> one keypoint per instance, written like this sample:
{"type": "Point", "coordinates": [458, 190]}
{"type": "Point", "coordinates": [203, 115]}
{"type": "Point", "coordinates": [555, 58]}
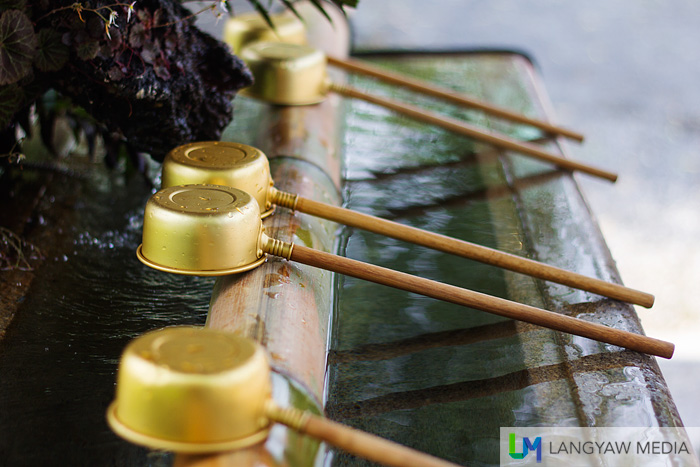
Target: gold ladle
{"type": "Point", "coordinates": [198, 390]}
{"type": "Point", "coordinates": [248, 28]}
{"type": "Point", "coordinates": [292, 74]}
{"type": "Point", "coordinates": [247, 168]}
{"type": "Point", "coordinates": [211, 230]}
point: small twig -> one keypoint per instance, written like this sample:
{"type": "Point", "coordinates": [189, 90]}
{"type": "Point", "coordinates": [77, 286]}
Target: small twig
{"type": "Point", "coordinates": [210, 7]}
{"type": "Point", "coordinates": [79, 8]}
{"type": "Point", "coordinates": [12, 251]}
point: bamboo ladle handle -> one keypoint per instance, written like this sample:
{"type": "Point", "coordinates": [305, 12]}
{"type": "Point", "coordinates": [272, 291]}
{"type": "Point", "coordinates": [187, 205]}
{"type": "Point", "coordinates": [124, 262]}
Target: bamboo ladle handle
{"type": "Point", "coordinates": [469, 298]}
{"type": "Point", "coordinates": [449, 95]}
{"type": "Point", "coordinates": [471, 131]}
{"type": "Point", "coordinates": [354, 441]}
{"type": "Point", "coordinates": [214, 230]}
{"type": "Point", "coordinates": [462, 248]}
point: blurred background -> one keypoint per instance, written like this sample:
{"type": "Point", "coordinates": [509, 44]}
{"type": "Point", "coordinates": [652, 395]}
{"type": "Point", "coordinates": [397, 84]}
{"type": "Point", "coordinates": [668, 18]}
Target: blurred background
{"type": "Point", "coordinates": [625, 73]}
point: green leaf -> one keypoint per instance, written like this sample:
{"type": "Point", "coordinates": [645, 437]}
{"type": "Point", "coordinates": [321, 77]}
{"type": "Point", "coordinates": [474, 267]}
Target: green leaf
{"type": "Point", "coordinates": [88, 50]}
{"type": "Point", "coordinates": [290, 5]}
{"type": "Point", "coordinates": [343, 3]}
{"type": "Point", "coordinates": [52, 54]}
{"type": "Point", "coordinates": [263, 12]}
{"type": "Point", "coordinates": [319, 7]}
{"type": "Point", "coordinates": [12, 5]}
{"type": "Point", "coordinates": [10, 102]}
{"type": "Point", "coordinates": [17, 46]}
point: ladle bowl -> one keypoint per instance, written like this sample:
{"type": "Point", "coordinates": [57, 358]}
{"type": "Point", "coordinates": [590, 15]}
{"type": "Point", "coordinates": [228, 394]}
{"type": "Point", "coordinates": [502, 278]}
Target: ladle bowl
{"type": "Point", "coordinates": [212, 230]}
{"type": "Point", "coordinates": [286, 74]}
{"type": "Point", "coordinates": [242, 30]}
{"type": "Point", "coordinates": [205, 230]}
{"type": "Point", "coordinates": [193, 390]}
{"type": "Point", "coordinates": [292, 74]}
{"type": "Point", "coordinates": [247, 28]}
{"type": "Point", "coordinates": [247, 168]}
{"type": "Point", "coordinates": [199, 390]}
{"type": "Point", "coordinates": [221, 163]}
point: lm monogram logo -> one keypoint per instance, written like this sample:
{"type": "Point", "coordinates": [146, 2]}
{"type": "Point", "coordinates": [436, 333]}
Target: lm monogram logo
{"type": "Point", "coordinates": [527, 447]}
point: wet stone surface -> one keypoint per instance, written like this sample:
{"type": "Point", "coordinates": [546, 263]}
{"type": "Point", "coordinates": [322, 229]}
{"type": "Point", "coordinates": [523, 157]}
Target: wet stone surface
{"type": "Point", "coordinates": [411, 368]}
{"type": "Point", "coordinates": [87, 300]}
{"type": "Point", "coordinates": [434, 376]}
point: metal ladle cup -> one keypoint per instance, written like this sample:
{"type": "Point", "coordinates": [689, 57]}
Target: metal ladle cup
{"type": "Point", "coordinates": [222, 163]}
{"type": "Point", "coordinates": [286, 74]}
{"type": "Point", "coordinates": [247, 29]}
{"type": "Point", "coordinates": [292, 74]}
{"type": "Point", "coordinates": [207, 230]}
{"type": "Point", "coordinates": [199, 390]}
{"type": "Point", "coordinates": [192, 390]}
{"type": "Point", "coordinates": [213, 230]}
{"type": "Point", "coordinates": [247, 168]}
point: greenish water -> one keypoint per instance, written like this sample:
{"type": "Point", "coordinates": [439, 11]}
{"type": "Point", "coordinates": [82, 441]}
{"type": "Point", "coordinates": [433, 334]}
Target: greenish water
{"type": "Point", "coordinates": [444, 379]}
{"type": "Point", "coordinates": [59, 357]}
{"type": "Point", "coordinates": [435, 376]}
{"type": "Point", "coordinates": [58, 360]}
{"type": "Point", "coordinates": [426, 178]}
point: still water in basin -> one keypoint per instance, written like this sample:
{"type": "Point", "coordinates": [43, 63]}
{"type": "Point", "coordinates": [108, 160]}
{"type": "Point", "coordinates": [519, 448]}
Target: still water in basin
{"type": "Point", "coordinates": [442, 378]}
{"type": "Point", "coordinates": [59, 356]}
{"type": "Point", "coordinates": [404, 366]}
{"type": "Point", "coordinates": [438, 377]}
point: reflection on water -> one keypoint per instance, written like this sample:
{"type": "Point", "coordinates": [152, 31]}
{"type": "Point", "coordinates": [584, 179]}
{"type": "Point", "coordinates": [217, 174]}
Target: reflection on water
{"type": "Point", "coordinates": [387, 374]}
{"type": "Point", "coordinates": [58, 359]}
{"type": "Point", "coordinates": [443, 378]}
{"type": "Point", "coordinates": [436, 376]}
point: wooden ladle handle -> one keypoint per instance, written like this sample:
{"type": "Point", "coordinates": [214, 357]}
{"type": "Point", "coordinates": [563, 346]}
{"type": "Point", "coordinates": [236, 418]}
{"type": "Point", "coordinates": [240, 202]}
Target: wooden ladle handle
{"type": "Point", "coordinates": [465, 129]}
{"type": "Point", "coordinates": [479, 301]}
{"type": "Point", "coordinates": [468, 250]}
{"type": "Point", "coordinates": [452, 96]}
{"type": "Point", "coordinates": [354, 441]}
